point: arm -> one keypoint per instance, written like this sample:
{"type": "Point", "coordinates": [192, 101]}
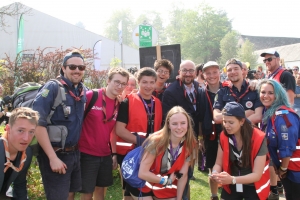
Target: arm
{"type": "Point", "coordinates": [291, 96]}
{"type": "Point", "coordinates": [219, 160]}
{"type": "Point", "coordinates": [256, 117]}
{"type": "Point", "coordinates": [144, 171]}
{"type": "Point", "coordinates": [182, 181]}
{"type": "Point", "coordinates": [218, 116]}
{"type": "Point", "coordinates": [42, 137]}
{"type": "Point", "coordinates": [113, 142]}
{"type": "Point", "coordinates": [123, 133]}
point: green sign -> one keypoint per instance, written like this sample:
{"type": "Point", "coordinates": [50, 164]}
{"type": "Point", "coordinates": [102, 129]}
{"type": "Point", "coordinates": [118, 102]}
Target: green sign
{"type": "Point", "coordinates": [145, 36]}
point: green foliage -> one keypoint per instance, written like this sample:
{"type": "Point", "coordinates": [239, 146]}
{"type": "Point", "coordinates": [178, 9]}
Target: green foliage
{"type": "Point", "coordinates": [115, 62]}
{"type": "Point", "coordinates": [246, 54]}
{"type": "Point", "coordinates": [34, 181]}
{"type": "Point", "coordinates": [228, 47]}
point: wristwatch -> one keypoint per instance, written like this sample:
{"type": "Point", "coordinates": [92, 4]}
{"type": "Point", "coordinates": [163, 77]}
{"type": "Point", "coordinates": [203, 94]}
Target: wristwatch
{"type": "Point", "coordinates": [233, 180]}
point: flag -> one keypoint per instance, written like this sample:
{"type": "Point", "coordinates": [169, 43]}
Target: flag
{"type": "Point", "coordinates": [20, 39]}
{"type": "Point", "coordinates": [120, 32]}
{"type": "Point", "coordinates": [97, 55]}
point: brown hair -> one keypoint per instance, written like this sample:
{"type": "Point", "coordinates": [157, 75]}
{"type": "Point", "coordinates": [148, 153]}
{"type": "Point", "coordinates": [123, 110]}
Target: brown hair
{"type": "Point", "coordinates": [163, 63]}
{"type": "Point", "coordinates": [117, 70]}
{"type": "Point", "coordinates": [24, 112]}
{"type": "Point", "coordinates": [146, 71]}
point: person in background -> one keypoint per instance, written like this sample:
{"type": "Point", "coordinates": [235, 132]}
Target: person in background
{"type": "Point", "coordinates": [295, 71]}
{"type": "Point", "coordinates": [297, 96]}
{"type": "Point", "coordinates": [223, 76]}
{"type": "Point", "coordinates": [15, 156]}
{"type": "Point", "coordinates": [281, 125]}
{"type": "Point", "coordinates": [245, 70]}
{"type": "Point", "coordinates": [260, 69]}
{"type": "Point", "coordinates": [163, 70]}
{"type": "Point", "coordinates": [130, 87]}
{"type": "Point", "coordinates": [242, 161]}
{"type": "Point", "coordinates": [168, 153]}
{"type": "Point", "coordinates": [199, 75]}
{"type": "Point", "coordinates": [3, 108]}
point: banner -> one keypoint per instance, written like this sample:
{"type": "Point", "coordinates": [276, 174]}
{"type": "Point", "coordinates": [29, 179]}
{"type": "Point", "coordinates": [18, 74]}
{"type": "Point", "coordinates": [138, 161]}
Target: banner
{"type": "Point", "coordinates": [120, 32]}
{"type": "Point", "coordinates": [20, 39]}
{"type": "Point", "coordinates": [97, 55]}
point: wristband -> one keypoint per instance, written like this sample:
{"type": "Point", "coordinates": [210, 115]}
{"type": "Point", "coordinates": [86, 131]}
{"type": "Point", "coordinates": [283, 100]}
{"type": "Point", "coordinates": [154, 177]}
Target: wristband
{"type": "Point", "coordinates": [214, 171]}
{"type": "Point", "coordinates": [162, 180]}
{"type": "Point", "coordinates": [113, 154]}
{"type": "Point", "coordinates": [283, 169]}
{"type": "Point", "coordinates": [165, 181]}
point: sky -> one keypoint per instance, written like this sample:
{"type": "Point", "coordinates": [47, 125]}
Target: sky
{"type": "Point", "coordinates": [249, 17]}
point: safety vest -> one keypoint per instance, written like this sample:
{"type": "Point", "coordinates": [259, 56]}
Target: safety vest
{"type": "Point", "coordinates": [277, 75]}
{"type": "Point", "coordinates": [138, 121]}
{"type": "Point", "coordinates": [263, 185]}
{"type": "Point", "coordinates": [159, 190]}
{"type": "Point", "coordinates": [294, 163]}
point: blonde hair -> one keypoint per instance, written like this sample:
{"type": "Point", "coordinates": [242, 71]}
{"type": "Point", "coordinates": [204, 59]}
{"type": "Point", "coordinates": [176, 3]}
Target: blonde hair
{"type": "Point", "coordinates": [25, 113]}
{"type": "Point", "coordinates": [159, 141]}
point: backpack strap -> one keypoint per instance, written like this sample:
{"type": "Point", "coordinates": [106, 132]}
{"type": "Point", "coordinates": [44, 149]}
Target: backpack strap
{"type": "Point", "coordinates": [59, 100]}
{"type": "Point", "coordinates": [92, 103]}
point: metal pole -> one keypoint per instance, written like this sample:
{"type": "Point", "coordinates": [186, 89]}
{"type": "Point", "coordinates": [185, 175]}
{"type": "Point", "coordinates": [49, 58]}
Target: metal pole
{"type": "Point", "coordinates": [122, 55]}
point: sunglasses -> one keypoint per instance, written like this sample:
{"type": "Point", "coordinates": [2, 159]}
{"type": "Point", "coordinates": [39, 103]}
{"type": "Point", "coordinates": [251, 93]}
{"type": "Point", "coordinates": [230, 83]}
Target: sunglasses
{"type": "Point", "coordinates": [295, 69]}
{"type": "Point", "coordinates": [268, 59]}
{"type": "Point", "coordinates": [80, 67]}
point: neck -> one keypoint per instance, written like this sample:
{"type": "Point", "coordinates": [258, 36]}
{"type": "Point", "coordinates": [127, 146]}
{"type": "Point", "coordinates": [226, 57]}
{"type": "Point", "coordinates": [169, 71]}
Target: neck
{"type": "Point", "coordinates": [109, 94]}
{"type": "Point", "coordinates": [159, 86]}
{"type": "Point", "coordinates": [175, 141]}
{"type": "Point", "coordinates": [147, 97]}
{"type": "Point", "coordinates": [275, 69]}
{"type": "Point", "coordinates": [238, 84]}
{"type": "Point", "coordinates": [189, 85]}
{"type": "Point", "coordinates": [214, 87]}
{"type": "Point", "coordinates": [13, 153]}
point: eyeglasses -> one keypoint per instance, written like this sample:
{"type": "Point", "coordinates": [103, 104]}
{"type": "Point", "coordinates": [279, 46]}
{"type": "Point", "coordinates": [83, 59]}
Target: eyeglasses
{"type": "Point", "coordinates": [295, 69]}
{"type": "Point", "coordinates": [118, 83]}
{"type": "Point", "coordinates": [268, 59]}
{"type": "Point", "coordinates": [184, 71]}
{"type": "Point", "coordinates": [163, 72]}
{"type": "Point", "coordinates": [80, 67]}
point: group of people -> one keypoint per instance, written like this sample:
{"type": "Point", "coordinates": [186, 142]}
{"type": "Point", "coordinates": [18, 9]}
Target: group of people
{"type": "Point", "coordinates": [250, 135]}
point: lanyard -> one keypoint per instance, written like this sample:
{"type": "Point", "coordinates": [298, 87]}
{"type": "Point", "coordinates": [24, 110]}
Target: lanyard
{"type": "Point", "coordinates": [174, 154]}
{"type": "Point", "coordinates": [237, 99]}
{"type": "Point", "coordinates": [213, 135]}
{"type": "Point", "coordinates": [81, 91]}
{"type": "Point", "coordinates": [235, 151]}
{"type": "Point", "coordinates": [116, 106]}
{"type": "Point", "coordinates": [149, 113]}
{"type": "Point", "coordinates": [274, 73]}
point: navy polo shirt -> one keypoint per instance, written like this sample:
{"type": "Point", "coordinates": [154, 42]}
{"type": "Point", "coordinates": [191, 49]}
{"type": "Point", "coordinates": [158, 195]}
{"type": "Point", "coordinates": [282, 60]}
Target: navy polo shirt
{"type": "Point", "coordinates": [45, 100]}
{"type": "Point", "coordinates": [250, 101]}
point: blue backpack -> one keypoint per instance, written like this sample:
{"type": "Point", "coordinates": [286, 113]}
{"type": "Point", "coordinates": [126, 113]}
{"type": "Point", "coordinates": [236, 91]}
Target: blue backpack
{"type": "Point", "coordinates": [130, 168]}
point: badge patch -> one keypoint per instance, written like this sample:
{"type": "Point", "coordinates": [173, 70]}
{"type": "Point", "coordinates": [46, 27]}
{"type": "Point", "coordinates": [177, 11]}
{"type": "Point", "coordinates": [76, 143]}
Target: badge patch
{"type": "Point", "coordinates": [249, 104]}
{"type": "Point", "coordinates": [45, 93]}
{"type": "Point", "coordinates": [283, 128]}
{"type": "Point", "coordinates": [284, 136]}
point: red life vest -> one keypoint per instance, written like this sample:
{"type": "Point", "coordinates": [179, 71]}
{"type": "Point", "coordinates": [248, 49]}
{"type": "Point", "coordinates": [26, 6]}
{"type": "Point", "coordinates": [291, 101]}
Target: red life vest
{"type": "Point", "coordinates": [277, 76]}
{"type": "Point", "coordinates": [159, 190]}
{"type": "Point", "coordinates": [294, 163]}
{"type": "Point", "coordinates": [263, 185]}
{"type": "Point", "coordinates": [137, 120]}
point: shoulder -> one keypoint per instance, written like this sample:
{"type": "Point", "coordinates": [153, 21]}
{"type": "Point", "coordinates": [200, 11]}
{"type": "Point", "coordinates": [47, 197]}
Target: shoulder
{"type": "Point", "coordinates": [172, 86]}
{"type": "Point", "coordinates": [287, 75]}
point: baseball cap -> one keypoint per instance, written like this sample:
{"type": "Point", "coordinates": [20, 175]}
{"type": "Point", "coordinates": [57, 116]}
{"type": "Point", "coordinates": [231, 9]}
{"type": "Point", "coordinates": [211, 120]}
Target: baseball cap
{"type": "Point", "coordinates": [74, 53]}
{"type": "Point", "coordinates": [271, 52]}
{"type": "Point", "coordinates": [234, 109]}
{"type": "Point", "coordinates": [210, 64]}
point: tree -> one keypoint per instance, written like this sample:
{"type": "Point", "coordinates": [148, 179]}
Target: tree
{"type": "Point", "coordinates": [246, 54]}
{"type": "Point", "coordinates": [111, 31]}
{"type": "Point", "coordinates": [12, 10]}
{"type": "Point", "coordinates": [228, 47]}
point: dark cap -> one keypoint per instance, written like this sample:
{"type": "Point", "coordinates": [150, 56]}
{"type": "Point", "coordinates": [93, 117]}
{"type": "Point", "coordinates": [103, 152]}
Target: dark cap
{"type": "Point", "coordinates": [74, 53]}
{"type": "Point", "coordinates": [234, 109]}
{"type": "Point", "coordinates": [234, 61]}
{"type": "Point", "coordinates": [271, 52]}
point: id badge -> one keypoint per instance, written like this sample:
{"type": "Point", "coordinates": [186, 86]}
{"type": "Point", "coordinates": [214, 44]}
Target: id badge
{"type": "Point", "coordinates": [68, 108]}
{"type": "Point", "coordinates": [239, 187]}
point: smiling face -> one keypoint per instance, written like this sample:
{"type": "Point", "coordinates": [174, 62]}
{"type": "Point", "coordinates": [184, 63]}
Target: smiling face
{"type": "Point", "coordinates": [187, 72]}
{"type": "Point", "coordinates": [20, 134]}
{"type": "Point", "coordinates": [163, 74]}
{"type": "Point", "coordinates": [75, 76]}
{"type": "Point", "coordinates": [116, 85]}
{"type": "Point", "coordinates": [146, 86]}
{"type": "Point", "coordinates": [178, 125]}
{"type": "Point", "coordinates": [272, 65]}
{"type": "Point", "coordinates": [267, 95]}
{"type": "Point", "coordinates": [212, 75]}
{"type": "Point", "coordinates": [234, 73]}
{"type": "Point", "coordinates": [131, 85]}
{"type": "Point", "coordinates": [232, 124]}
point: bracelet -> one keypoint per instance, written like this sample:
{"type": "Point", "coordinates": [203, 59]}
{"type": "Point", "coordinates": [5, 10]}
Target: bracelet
{"type": "Point", "coordinates": [214, 171]}
{"type": "Point", "coordinates": [284, 169]}
{"type": "Point", "coordinates": [113, 154]}
{"type": "Point", "coordinates": [162, 180]}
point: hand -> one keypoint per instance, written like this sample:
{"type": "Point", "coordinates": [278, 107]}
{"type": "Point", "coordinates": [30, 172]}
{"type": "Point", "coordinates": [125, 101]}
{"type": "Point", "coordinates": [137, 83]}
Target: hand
{"type": "Point", "coordinates": [119, 98]}
{"type": "Point", "coordinates": [281, 174]}
{"type": "Point", "coordinates": [114, 162]}
{"type": "Point", "coordinates": [223, 178]}
{"type": "Point", "coordinates": [201, 145]}
{"type": "Point", "coordinates": [249, 112]}
{"type": "Point", "coordinates": [58, 166]}
{"type": "Point", "coordinates": [172, 177]}
{"type": "Point", "coordinates": [253, 84]}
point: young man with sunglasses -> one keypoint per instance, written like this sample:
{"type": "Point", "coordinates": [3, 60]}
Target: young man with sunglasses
{"type": "Point", "coordinates": [97, 147]}
{"type": "Point", "coordinates": [276, 72]}
{"type": "Point", "coordinates": [59, 157]}
{"type": "Point", "coordinates": [238, 89]}
{"type": "Point", "coordinates": [140, 115]}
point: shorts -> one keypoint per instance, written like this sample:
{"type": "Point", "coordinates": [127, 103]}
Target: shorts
{"type": "Point", "coordinates": [95, 171]}
{"type": "Point", "coordinates": [249, 193]}
{"type": "Point", "coordinates": [136, 192]}
{"type": "Point", "coordinates": [57, 186]}
{"type": "Point", "coordinates": [120, 159]}
{"type": "Point", "coordinates": [211, 151]}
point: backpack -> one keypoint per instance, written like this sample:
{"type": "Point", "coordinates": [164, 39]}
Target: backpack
{"type": "Point", "coordinates": [130, 168]}
{"type": "Point", "coordinates": [24, 96]}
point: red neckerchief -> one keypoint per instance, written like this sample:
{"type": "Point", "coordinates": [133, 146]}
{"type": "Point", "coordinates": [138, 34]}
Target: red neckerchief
{"type": "Point", "coordinates": [184, 90]}
{"type": "Point", "coordinates": [70, 91]}
{"type": "Point", "coordinates": [274, 73]}
{"type": "Point", "coordinates": [104, 107]}
{"type": "Point", "coordinates": [237, 99]}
